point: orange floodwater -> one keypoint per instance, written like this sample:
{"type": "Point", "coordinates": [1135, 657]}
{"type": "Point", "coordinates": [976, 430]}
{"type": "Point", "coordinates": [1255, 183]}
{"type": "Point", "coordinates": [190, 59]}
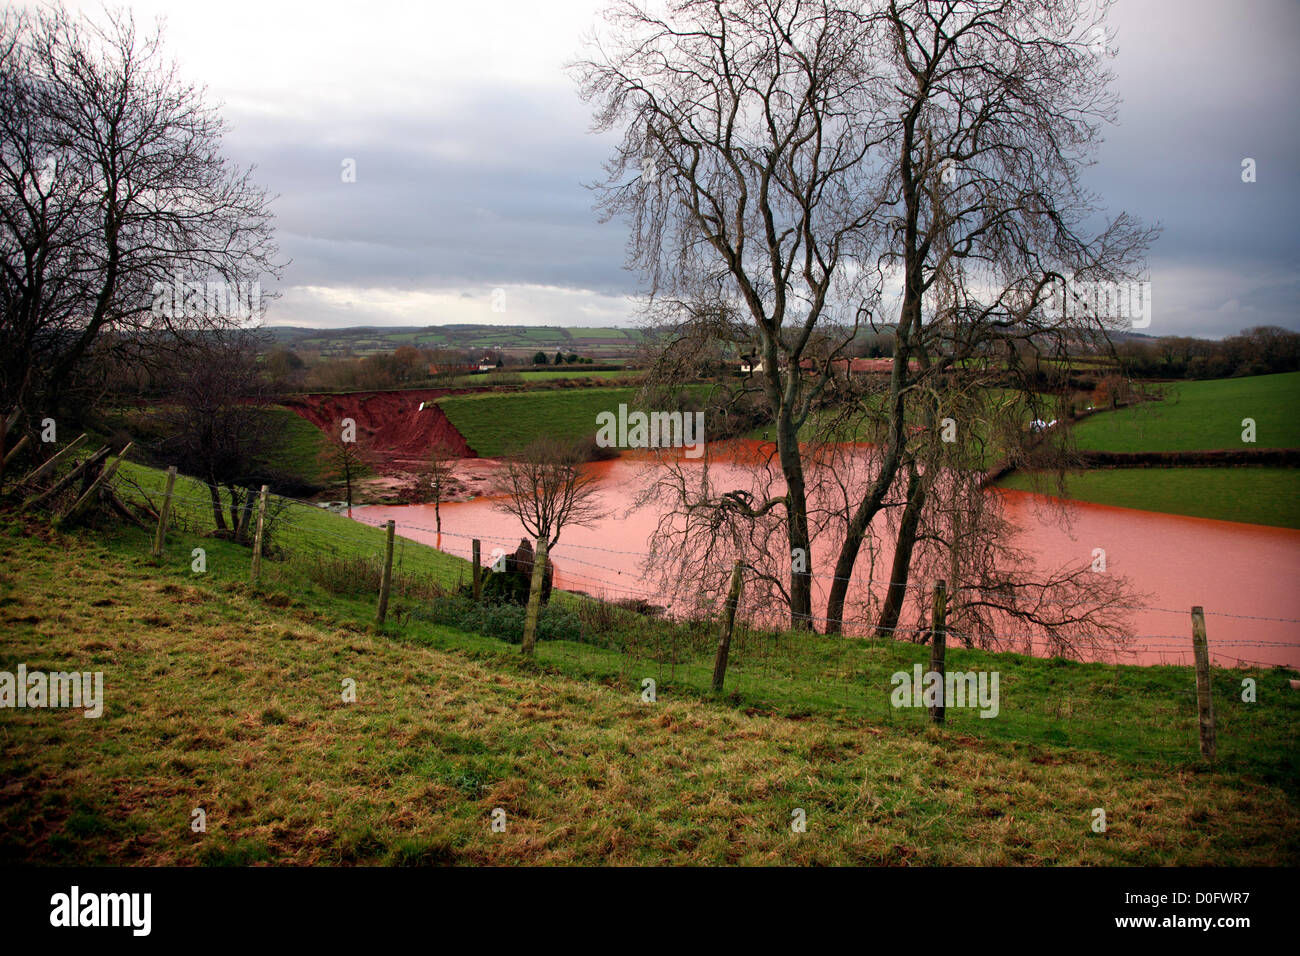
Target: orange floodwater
{"type": "Point", "coordinates": [1243, 575]}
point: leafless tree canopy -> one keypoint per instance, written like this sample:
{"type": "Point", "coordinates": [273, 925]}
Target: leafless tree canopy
{"type": "Point", "coordinates": [796, 171]}
{"type": "Point", "coordinates": [218, 420]}
{"type": "Point", "coordinates": [111, 185]}
{"type": "Point", "coordinates": [547, 490]}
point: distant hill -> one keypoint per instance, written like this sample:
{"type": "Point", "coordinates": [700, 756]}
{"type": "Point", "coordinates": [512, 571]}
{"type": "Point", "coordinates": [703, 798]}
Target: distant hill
{"type": "Point", "coordinates": [599, 342]}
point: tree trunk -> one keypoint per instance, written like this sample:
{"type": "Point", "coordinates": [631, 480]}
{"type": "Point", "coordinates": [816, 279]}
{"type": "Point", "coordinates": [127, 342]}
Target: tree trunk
{"type": "Point", "coordinates": [214, 492]}
{"type": "Point", "coordinates": [234, 507]}
{"type": "Point", "coordinates": [245, 517]}
{"type": "Point", "coordinates": [796, 523]}
{"type": "Point", "coordinates": [871, 504]}
{"type": "Point", "coordinates": [897, 593]}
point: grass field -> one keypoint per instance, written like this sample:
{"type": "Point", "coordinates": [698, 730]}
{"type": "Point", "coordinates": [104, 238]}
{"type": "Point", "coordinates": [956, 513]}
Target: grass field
{"type": "Point", "coordinates": [1266, 496]}
{"type": "Point", "coordinates": [546, 375]}
{"type": "Point", "coordinates": [229, 700]}
{"type": "Point", "coordinates": [301, 446]}
{"type": "Point", "coordinates": [1195, 416]}
{"type": "Point", "coordinates": [494, 424]}
{"type": "Point", "coordinates": [1198, 416]}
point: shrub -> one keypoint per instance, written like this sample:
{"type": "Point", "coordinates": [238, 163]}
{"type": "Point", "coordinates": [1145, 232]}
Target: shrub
{"type": "Point", "coordinates": [504, 621]}
{"type": "Point", "coordinates": [588, 450]}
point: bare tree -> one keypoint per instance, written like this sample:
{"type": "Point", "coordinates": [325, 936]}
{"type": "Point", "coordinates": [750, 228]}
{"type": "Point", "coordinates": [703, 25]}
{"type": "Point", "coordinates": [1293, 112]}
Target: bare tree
{"type": "Point", "coordinates": [114, 198]}
{"type": "Point", "coordinates": [744, 168]}
{"type": "Point", "coordinates": [783, 162]}
{"type": "Point", "coordinates": [547, 490]}
{"type": "Point", "coordinates": [439, 478]}
{"type": "Point", "coordinates": [216, 416]}
{"type": "Point", "coordinates": [343, 461]}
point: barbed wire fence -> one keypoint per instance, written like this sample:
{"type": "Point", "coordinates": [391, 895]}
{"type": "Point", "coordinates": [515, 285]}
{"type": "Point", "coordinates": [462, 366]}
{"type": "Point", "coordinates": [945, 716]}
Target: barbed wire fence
{"type": "Point", "coordinates": [600, 622]}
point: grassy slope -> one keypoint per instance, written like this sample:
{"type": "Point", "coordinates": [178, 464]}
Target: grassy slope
{"type": "Point", "coordinates": [1136, 712]}
{"type": "Point", "coordinates": [1266, 496]}
{"type": "Point", "coordinates": [223, 700]}
{"type": "Point", "coordinates": [301, 447]}
{"type": "Point", "coordinates": [301, 528]}
{"type": "Point", "coordinates": [495, 423]}
{"type": "Point", "coordinates": [1196, 416]}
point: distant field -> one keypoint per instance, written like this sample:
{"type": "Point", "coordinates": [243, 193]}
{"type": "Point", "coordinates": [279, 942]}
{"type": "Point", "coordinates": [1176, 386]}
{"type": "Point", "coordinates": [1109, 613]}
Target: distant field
{"type": "Point", "coordinates": [546, 338]}
{"type": "Point", "coordinates": [542, 375]}
{"type": "Point", "coordinates": [1197, 416]}
{"type": "Point", "coordinates": [598, 334]}
{"type": "Point", "coordinates": [1266, 496]}
{"type": "Point", "coordinates": [494, 424]}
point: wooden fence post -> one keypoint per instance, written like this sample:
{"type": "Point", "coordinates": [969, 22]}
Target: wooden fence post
{"type": "Point", "coordinates": [65, 481]}
{"type": "Point", "coordinates": [106, 474]}
{"type": "Point", "coordinates": [53, 460]}
{"type": "Point", "coordinates": [164, 513]}
{"type": "Point", "coordinates": [728, 621]}
{"type": "Point", "coordinates": [529, 643]}
{"type": "Point", "coordinates": [478, 572]}
{"type": "Point", "coordinates": [13, 452]}
{"type": "Point", "coordinates": [939, 645]}
{"type": "Point", "coordinates": [257, 540]}
{"type": "Point", "coordinates": [386, 579]}
{"type": "Point", "coordinates": [1204, 703]}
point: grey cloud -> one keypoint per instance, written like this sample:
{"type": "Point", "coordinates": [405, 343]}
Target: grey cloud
{"type": "Point", "coordinates": [487, 190]}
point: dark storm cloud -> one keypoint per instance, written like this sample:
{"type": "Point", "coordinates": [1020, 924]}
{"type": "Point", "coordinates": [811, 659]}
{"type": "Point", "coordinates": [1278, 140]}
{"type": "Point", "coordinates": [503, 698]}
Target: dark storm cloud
{"type": "Point", "coordinates": [1206, 85]}
{"type": "Point", "coordinates": [486, 188]}
{"type": "Point", "coordinates": [492, 194]}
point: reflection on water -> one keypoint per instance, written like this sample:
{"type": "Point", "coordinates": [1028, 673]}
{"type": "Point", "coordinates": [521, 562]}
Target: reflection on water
{"type": "Point", "coordinates": [1230, 569]}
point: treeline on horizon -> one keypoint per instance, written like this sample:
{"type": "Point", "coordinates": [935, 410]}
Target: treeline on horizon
{"type": "Point", "coordinates": [1260, 350]}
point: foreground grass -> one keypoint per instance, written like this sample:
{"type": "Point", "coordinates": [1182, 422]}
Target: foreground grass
{"type": "Point", "coordinates": [228, 700]}
{"type": "Point", "coordinates": [1136, 713]}
{"type": "Point", "coordinates": [1265, 496]}
{"type": "Point", "coordinates": [1200, 416]}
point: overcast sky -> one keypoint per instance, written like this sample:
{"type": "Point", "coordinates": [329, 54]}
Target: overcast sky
{"type": "Point", "coordinates": [472, 147]}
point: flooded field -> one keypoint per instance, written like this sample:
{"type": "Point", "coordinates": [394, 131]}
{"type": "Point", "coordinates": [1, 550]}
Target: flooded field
{"type": "Point", "coordinates": [1243, 575]}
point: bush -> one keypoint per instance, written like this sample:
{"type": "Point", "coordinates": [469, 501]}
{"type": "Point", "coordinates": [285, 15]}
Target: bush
{"type": "Point", "coordinates": [587, 449]}
{"type": "Point", "coordinates": [503, 621]}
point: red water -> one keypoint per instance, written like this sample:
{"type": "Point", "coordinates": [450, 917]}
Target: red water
{"type": "Point", "coordinates": [1243, 575]}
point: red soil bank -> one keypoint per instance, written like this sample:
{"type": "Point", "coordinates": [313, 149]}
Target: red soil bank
{"type": "Point", "coordinates": [395, 434]}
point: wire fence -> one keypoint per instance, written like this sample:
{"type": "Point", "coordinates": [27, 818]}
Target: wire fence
{"type": "Point", "coordinates": [600, 623]}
